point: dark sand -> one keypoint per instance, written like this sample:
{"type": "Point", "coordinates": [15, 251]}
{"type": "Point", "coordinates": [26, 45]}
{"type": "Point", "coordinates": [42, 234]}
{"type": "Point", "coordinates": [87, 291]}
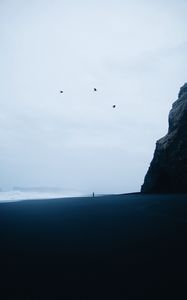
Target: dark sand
{"type": "Point", "coordinates": [113, 247]}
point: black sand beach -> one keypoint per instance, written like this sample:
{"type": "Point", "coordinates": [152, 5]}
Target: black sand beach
{"type": "Point", "coordinates": [112, 247]}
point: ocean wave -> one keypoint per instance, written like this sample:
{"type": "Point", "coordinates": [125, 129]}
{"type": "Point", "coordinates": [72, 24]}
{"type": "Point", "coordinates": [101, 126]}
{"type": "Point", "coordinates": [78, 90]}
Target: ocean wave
{"type": "Point", "coordinates": [11, 196]}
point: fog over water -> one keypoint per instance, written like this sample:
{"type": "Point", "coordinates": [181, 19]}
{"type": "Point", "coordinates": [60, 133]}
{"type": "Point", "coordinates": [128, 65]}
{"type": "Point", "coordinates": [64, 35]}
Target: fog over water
{"type": "Point", "coordinates": [133, 52]}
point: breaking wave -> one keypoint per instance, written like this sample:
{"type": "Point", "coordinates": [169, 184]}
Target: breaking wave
{"type": "Point", "coordinates": [17, 195]}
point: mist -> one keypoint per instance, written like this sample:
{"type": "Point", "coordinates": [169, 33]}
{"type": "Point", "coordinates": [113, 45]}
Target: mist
{"type": "Point", "coordinates": [133, 52]}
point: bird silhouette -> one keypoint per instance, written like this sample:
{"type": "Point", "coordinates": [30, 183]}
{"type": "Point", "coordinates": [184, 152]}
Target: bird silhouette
{"type": "Point", "coordinates": [95, 90]}
{"type": "Point", "coordinates": [114, 106]}
{"type": "Point", "coordinates": [61, 92]}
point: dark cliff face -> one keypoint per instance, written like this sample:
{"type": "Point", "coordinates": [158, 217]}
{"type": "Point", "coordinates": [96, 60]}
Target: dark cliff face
{"type": "Point", "coordinates": [168, 170]}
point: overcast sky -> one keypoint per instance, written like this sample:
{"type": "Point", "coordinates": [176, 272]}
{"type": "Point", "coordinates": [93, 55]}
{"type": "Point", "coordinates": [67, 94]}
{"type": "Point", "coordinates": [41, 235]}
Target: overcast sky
{"type": "Point", "coordinates": [133, 52]}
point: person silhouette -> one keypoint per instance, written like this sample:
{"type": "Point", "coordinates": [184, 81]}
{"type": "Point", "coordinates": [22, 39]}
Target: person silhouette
{"type": "Point", "coordinates": [93, 194]}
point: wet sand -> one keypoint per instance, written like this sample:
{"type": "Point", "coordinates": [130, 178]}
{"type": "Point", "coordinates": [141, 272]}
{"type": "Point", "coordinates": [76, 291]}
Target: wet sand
{"type": "Point", "coordinates": [129, 246]}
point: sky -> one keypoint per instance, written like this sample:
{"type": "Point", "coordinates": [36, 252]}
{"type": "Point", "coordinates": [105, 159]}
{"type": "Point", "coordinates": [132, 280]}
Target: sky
{"type": "Point", "coordinates": [133, 52]}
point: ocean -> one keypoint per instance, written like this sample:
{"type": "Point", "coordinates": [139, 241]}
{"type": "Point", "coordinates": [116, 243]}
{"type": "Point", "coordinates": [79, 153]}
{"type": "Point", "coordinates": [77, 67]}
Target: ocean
{"type": "Point", "coordinates": [33, 194]}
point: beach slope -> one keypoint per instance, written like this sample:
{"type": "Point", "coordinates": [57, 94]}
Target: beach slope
{"type": "Point", "coordinates": [120, 246]}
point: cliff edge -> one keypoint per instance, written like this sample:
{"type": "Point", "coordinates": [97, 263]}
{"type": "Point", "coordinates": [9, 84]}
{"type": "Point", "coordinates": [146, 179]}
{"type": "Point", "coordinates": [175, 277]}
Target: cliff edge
{"type": "Point", "coordinates": [168, 170]}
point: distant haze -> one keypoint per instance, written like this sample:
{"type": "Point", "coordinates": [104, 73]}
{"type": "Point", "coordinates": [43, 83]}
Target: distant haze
{"type": "Point", "coordinates": [133, 52]}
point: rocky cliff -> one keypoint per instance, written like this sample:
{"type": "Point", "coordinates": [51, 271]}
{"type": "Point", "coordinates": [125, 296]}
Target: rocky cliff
{"type": "Point", "coordinates": [168, 170]}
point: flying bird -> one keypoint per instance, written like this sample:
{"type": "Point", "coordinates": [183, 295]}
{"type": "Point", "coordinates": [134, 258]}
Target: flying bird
{"type": "Point", "coordinates": [61, 92]}
{"type": "Point", "coordinates": [95, 90]}
{"type": "Point", "coordinates": [114, 106]}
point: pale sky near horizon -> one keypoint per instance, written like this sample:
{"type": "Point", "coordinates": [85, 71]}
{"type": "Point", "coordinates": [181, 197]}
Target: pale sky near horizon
{"type": "Point", "coordinates": [133, 52]}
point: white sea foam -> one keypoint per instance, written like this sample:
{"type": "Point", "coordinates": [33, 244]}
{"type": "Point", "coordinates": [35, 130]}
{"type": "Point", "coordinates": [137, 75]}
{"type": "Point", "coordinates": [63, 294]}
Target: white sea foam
{"type": "Point", "coordinates": [17, 195]}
